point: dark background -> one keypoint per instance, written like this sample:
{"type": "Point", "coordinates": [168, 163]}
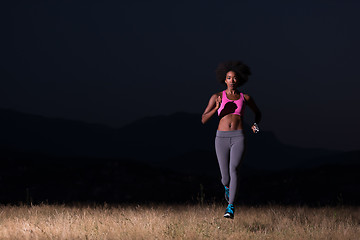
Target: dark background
{"type": "Point", "coordinates": [102, 100]}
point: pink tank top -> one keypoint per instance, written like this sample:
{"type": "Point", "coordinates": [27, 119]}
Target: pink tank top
{"type": "Point", "coordinates": [231, 106]}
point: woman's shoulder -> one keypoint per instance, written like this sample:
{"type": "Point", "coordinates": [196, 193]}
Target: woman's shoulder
{"type": "Point", "coordinates": [246, 96]}
{"type": "Point", "coordinates": [215, 95]}
{"type": "Point", "coordinates": [219, 93]}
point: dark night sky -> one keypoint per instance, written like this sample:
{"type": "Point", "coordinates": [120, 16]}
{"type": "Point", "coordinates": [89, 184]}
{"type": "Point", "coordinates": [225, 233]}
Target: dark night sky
{"type": "Point", "coordinates": [114, 62]}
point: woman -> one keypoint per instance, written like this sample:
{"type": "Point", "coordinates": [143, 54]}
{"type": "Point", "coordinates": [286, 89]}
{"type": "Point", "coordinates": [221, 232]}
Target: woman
{"type": "Point", "coordinates": [229, 142]}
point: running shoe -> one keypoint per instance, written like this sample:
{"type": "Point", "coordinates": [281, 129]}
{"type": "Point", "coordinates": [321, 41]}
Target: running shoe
{"type": "Point", "coordinates": [227, 193]}
{"type": "Point", "coordinates": [229, 213]}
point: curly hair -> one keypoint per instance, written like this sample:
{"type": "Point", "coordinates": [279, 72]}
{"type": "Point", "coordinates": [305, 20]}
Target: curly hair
{"type": "Point", "coordinates": [241, 70]}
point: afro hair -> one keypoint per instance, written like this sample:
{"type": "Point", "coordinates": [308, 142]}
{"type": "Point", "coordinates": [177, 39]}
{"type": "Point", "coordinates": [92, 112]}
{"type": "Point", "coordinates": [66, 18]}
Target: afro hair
{"type": "Point", "coordinates": [241, 70]}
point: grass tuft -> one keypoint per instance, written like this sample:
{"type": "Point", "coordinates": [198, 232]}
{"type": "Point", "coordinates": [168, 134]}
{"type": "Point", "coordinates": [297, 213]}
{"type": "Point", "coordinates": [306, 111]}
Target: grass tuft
{"type": "Point", "coordinates": [154, 221]}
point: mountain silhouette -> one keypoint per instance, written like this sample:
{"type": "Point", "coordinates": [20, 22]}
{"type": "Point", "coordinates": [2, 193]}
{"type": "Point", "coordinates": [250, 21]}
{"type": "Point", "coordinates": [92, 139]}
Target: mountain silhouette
{"type": "Point", "coordinates": [52, 159]}
{"type": "Point", "coordinates": [178, 141]}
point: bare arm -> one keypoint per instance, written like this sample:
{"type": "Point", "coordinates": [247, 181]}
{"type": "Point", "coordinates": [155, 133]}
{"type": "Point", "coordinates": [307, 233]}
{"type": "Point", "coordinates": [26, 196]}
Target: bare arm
{"type": "Point", "coordinates": [251, 103]}
{"type": "Point", "coordinates": [212, 107]}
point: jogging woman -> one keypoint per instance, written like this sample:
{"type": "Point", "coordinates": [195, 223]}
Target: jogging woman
{"type": "Point", "coordinates": [229, 141]}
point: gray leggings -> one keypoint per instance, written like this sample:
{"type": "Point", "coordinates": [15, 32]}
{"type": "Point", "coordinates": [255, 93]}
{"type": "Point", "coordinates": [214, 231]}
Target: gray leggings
{"type": "Point", "coordinates": [229, 146]}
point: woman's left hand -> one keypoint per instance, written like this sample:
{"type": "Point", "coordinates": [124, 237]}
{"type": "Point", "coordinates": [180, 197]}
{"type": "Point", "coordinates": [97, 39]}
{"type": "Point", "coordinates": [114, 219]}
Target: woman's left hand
{"type": "Point", "coordinates": [255, 128]}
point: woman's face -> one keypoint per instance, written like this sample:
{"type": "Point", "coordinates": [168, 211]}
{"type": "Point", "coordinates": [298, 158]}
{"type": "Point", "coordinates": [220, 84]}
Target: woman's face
{"type": "Point", "coordinates": [231, 80]}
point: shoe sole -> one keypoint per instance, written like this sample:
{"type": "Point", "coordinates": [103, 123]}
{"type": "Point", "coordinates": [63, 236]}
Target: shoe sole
{"type": "Point", "coordinates": [228, 215]}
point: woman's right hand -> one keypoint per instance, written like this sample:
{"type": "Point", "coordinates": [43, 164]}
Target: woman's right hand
{"type": "Point", "coordinates": [218, 102]}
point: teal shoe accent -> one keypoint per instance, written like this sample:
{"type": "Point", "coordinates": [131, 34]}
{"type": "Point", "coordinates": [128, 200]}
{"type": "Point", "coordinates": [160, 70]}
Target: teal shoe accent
{"type": "Point", "coordinates": [227, 193]}
{"type": "Point", "coordinates": [229, 213]}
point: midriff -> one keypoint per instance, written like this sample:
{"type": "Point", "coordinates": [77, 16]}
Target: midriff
{"type": "Point", "coordinates": [230, 122]}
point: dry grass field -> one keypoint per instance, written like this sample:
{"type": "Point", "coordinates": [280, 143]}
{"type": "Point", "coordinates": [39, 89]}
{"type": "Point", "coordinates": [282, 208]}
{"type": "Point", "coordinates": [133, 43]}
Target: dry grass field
{"type": "Point", "coordinates": [177, 222]}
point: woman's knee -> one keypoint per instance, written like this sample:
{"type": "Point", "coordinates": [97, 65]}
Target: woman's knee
{"type": "Point", "coordinates": [234, 170]}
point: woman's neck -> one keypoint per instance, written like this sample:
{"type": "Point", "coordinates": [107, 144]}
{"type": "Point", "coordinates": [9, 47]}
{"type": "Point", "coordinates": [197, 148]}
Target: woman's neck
{"type": "Point", "coordinates": [231, 91]}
